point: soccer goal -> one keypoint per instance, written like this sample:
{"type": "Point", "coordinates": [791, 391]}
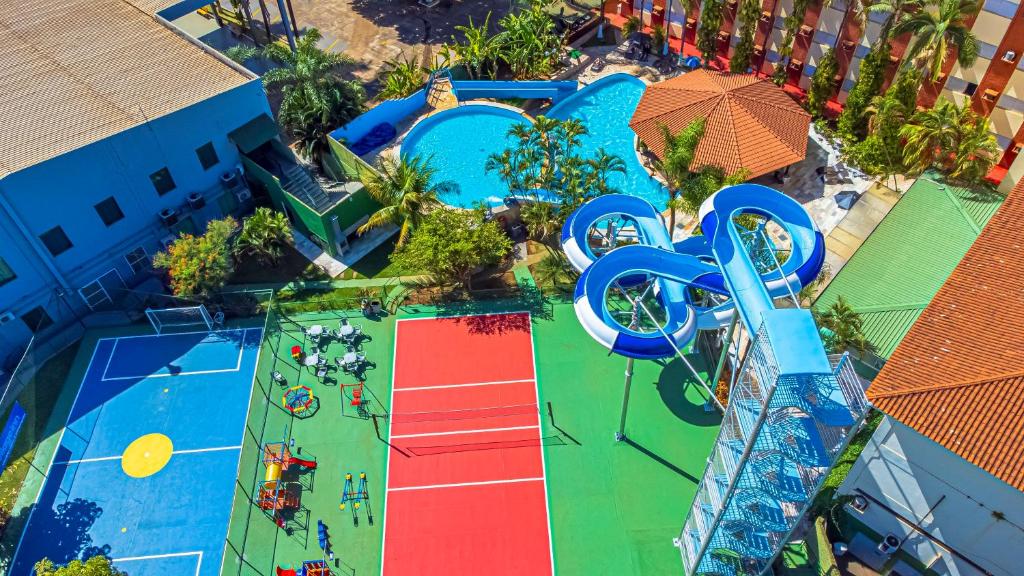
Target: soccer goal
{"type": "Point", "coordinates": [178, 319]}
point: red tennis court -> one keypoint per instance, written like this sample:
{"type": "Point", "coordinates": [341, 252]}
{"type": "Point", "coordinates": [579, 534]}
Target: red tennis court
{"type": "Point", "coordinates": [465, 486]}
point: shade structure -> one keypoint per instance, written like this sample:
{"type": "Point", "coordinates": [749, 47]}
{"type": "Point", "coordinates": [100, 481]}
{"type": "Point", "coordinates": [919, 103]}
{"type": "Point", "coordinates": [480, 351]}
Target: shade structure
{"type": "Point", "coordinates": [749, 123]}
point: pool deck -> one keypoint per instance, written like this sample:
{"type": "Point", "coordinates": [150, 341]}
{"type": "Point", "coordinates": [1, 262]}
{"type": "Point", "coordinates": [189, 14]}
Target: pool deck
{"type": "Point", "coordinates": [615, 507]}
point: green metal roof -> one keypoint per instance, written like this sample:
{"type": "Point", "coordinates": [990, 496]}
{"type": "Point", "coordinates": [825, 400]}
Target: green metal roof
{"type": "Point", "coordinates": [904, 262]}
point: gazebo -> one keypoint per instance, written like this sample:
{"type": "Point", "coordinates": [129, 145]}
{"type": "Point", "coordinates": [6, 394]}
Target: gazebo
{"type": "Point", "coordinates": [749, 122]}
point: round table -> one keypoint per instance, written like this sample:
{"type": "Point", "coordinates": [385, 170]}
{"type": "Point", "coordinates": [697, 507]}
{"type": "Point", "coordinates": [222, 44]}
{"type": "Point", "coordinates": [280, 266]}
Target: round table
{"type": "Point", "coordinates": [316, 330]}
{"type": "Point", "coordinates": [311, 360]}
{"type": "Point", "coordinates": [347, 330]}
{"type": "Point", "coordinates": [349, 358]}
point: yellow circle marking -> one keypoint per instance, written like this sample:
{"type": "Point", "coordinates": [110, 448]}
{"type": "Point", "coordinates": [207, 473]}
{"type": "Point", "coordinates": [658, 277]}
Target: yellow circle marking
{"type": "Point", "coordinates": [147, 455]}
{"type": "Point", "coordinates": [123, 530]}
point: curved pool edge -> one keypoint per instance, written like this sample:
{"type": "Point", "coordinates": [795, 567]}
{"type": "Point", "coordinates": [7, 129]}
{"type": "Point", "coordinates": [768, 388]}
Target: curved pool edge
{"type": "Point", "coordinates": [582, 92]}
{"type": "Point", "coordinates": [439, 115]}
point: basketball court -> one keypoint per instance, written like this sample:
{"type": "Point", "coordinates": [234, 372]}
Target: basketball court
{"type": "Point", "coordinates": [466, 487]}
{"type": "Point", "coordinates": [146, 465]}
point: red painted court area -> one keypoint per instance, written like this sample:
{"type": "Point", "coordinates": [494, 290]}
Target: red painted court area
{"type": "Point", "coordinates": [465, 486]}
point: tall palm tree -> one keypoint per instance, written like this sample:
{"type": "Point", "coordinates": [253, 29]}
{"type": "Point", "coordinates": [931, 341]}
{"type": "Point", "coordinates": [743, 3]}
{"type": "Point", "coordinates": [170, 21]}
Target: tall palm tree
{"type": "Point", "coordinates": [600, 168]}
{"type": "Point", "coordinates": [856, 12]}
{"type": "Point", "coordinates": [315, 99]}
{"type": "Point", "coordinates": [935, 32]}
{"type": "Point", "coordinates": [675, 161]}
{"type": "Point", "coordinates": [895, 10]}
{"type": "Point", "coordinates": [977, 151]}
{"type": "Point", "coordinates": [406, 190]}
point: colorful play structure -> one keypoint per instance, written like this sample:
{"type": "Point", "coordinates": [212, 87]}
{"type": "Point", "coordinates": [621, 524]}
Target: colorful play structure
{"type": "Point", "coordinates": [298, 399]}
{"type": "Point", "coordinates": [273, 494]}
{"type": "Point", "coordinates": [792, 409]}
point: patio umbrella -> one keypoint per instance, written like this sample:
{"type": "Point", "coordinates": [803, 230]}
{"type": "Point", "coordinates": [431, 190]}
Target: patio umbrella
{"type": "Point", "coordinates": [749, 123]}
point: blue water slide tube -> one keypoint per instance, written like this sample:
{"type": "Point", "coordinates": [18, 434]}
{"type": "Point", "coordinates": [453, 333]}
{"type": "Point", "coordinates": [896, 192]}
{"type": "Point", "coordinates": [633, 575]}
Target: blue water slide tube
{"type": "Point", "coordinates": [752, 291]}
{"type": "Point", "coordinates": [716, 262]}
{"type": "Point", "coordinates": [653, 256]}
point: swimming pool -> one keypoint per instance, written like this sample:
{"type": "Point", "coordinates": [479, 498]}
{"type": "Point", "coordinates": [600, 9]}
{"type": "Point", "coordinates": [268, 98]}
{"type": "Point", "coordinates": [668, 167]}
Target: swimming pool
{"type": "Point", "coordinates": [459, 140]}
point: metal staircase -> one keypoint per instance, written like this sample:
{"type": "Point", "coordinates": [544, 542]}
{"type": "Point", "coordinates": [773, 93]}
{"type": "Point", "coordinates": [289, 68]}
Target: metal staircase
{"type": "Point", "coordinates": [780, 436]}
{"type": "Point", "coordinates": [297, 182]}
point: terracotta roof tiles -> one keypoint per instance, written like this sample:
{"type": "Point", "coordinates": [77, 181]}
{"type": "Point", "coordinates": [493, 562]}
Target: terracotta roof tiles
{"type": "Point", "coordinates": [958, 375]}
{"type": "Point", "coordinates": [750, 123]}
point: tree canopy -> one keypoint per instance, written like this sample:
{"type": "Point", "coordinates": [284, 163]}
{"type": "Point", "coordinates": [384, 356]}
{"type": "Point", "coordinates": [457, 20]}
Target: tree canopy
{"type": "Point", "coordinates": [198, 265]}
{"type": "Point", "coordinates": [95, 566]}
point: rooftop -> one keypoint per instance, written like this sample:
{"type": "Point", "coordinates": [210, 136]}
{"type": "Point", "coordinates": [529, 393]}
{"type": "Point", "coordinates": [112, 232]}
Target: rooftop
{"type": "Point", "coordinates": [750, 122]}
{"type": "Point", "coordinates": [73, 72]}
{"type": "Point", "coordinates": [958, 375]}
{"type": "Point", "coordinates": [905, 260]}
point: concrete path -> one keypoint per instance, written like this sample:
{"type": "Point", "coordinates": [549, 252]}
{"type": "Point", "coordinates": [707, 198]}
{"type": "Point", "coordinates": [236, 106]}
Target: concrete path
{"type": "Point", "coordinates": [856, 226]}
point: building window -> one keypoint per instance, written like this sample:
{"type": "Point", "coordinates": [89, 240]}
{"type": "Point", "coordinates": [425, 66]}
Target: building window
{"type": "Point", "coordinates": [94, 295]}
{"type": "Point", "coordinates": [207, 155]}
{"type": "Point", "coordinates": [162, 181]}
{"type": "Point", "coordinates": [37, 319]}
{"type": "Point", "coordinates": [109, 211]}
{"type": "Point", "coordinates": [970, 89]}
{"type": "Point", "coordinates": [56, 241]}
{"type": "Point", "coordinates": [137, 260]}
{"type": "Point", "coordinates": [6, 274]}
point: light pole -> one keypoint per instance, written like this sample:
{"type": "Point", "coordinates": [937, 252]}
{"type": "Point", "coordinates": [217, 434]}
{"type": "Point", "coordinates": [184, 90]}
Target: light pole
{"type": "Point", "coordinates": [633, 324]}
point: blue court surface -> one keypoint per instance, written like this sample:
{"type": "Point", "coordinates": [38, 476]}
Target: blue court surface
{"type": "Point", "coordinates": [193, 389]}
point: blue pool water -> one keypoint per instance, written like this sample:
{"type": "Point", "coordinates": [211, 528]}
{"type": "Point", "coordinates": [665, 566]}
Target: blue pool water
{"type": "Point", "coordinates": [460, 140]}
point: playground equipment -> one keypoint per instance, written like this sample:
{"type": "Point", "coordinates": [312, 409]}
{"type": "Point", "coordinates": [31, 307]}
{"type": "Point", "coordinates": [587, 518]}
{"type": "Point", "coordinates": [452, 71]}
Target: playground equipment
{"type": "Point", "coordinates": [791, 410]}
{"type": "Point", "coordinates": [357, 495]}
{"type": "Point", "coordinates": [298, 399]}
{"type": "Point", "coordinates": [273, 494]}
{"type": "Point", "coordinates": [308, 568]}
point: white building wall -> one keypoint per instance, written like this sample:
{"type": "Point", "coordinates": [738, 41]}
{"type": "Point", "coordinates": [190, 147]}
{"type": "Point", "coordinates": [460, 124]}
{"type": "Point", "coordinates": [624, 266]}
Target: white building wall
{"type": "Point", "coordinates": [952, 500]}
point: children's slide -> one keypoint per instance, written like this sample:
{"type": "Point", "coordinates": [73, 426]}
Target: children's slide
{"type": "Point", "coordinates": [716, 262]}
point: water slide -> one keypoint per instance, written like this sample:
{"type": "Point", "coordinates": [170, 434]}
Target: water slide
{"type": "Point", "coordinates": [716, 262]}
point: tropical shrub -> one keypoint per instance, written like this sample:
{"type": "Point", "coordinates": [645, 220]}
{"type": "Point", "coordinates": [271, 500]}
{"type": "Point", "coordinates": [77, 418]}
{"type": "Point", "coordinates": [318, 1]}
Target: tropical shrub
{"type": "Point", "coordinates": [479, 51]}
{"type": "Point", "coordinates": [406, 190]}
{"type": "Point", "coordinates": [790, 25]}
{"type": "Point", "coordinates": [844, 328]}
{"type": "Point", "coordinates": [95, 566]}
{"type": "Point", "coordinates": [853, 121]}
{"type": "Point", "coordinates": [198, 265]}
{"type": "Point", "coordinates": [658, 40]}
{"type": "Point", "coordinates": [882, 151]}
{"type": "Point", "coordinates": [452, 244]}
{"type": "Point", "coordinates": [823, 84]}
{"type": "Point", "coordinates": [402, 77]}
{"type": "Point", "coordinates": [632, 24]}
{"type": "Point", "coordinates": [263, 236]}
{"type": "Point", "coordinates": [529, 44]}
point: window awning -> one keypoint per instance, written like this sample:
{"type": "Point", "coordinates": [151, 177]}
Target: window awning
{"type": "Point", "coordinates": [254, 133]}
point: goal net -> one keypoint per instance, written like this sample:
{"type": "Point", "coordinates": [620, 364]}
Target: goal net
{"type": "Point", "coordinates": [176, 319]}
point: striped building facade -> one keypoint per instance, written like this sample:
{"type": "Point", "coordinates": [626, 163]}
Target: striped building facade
{"type": "Point", "coordinates": [994, 85]}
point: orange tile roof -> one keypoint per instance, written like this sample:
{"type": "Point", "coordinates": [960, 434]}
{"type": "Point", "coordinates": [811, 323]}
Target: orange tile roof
{"type": "Point", "coordinates": [750, 123]}
{"type": "Point", "coordinates": [958, 375]}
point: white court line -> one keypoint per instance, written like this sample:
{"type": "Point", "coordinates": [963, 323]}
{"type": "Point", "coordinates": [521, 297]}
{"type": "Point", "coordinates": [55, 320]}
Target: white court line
{"type": "Point", "coordinates": [198, 553]}
{"type": "Point", "coordinates": [237, 368]}
{"type": "Point", "coordinates": [190, 451]}
{"type": "Point", "coordinates": [526, 312]}
{"type": "Point", "coordinates": [469, 385]}
{"type": "Point", "coordinates": [481, 430]}
{"type": "Point", "coordinates": [540, 437]}
{"type": "Point", "coordinates": [461, 484]}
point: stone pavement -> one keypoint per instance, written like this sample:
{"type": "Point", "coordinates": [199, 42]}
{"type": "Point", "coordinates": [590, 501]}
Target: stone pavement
{"type": "Point", "coordinates": [856, 226]}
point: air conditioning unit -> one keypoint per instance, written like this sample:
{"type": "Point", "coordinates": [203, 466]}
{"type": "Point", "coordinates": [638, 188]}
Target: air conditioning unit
{"type": "Point", "coordinates": [6, 317]}
{"type": "Point", "coordinates": [859, 503]}
{"type": "Point", "coordinates": [196, 200]}
{"type": "Point", "coordinates": [1009, 56]}
{"type": "Point", "coordinates": [166, 241]}
{"type": "Point", "coordinates": [889, 545]}
{"type": "Point", "coordinates": [243, 194]}
{"type": "Point", "coordinates": [229, 179]}
{"type": "Point", "coordinates": [169, 216]}
{"type": "Point", "coordinates": [1017, 148]}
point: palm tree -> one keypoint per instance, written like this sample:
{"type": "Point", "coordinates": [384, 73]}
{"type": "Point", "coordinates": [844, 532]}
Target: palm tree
{"type": "Point", "coordinates": [936, 32]}
{"type": "Point", "coordinates": [263, 235]}
{"type": "Point", "coordinates": [315, 100]}
{"type": "Point", "coordinates": [541, 219]}
{"type": "Point", "coordinates": [846, 328]}
{"type": "Point", "coordinates": [406, 191]}
{"type": "Point", "coordinates": [553, 268]}
{"type": "Point", "coordinates": [600, 167]}
{"type": "Point", "coordinates": [978, 150]}
{"type": "Point", "coordinates": [930, 136]}
{"type": "Point", "coordinates": [895, 10]}
{"type": "Point", "coordinates": [675, 161]}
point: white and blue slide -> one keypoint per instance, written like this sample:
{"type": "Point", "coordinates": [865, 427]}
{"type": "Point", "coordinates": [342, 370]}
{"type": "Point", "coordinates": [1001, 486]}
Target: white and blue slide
{"type": "Point", "coordinates": [716, 262]}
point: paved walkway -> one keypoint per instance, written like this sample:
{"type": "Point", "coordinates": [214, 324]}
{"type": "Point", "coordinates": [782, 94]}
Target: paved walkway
{"type": "Point", "coordinates": [856, 226]}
